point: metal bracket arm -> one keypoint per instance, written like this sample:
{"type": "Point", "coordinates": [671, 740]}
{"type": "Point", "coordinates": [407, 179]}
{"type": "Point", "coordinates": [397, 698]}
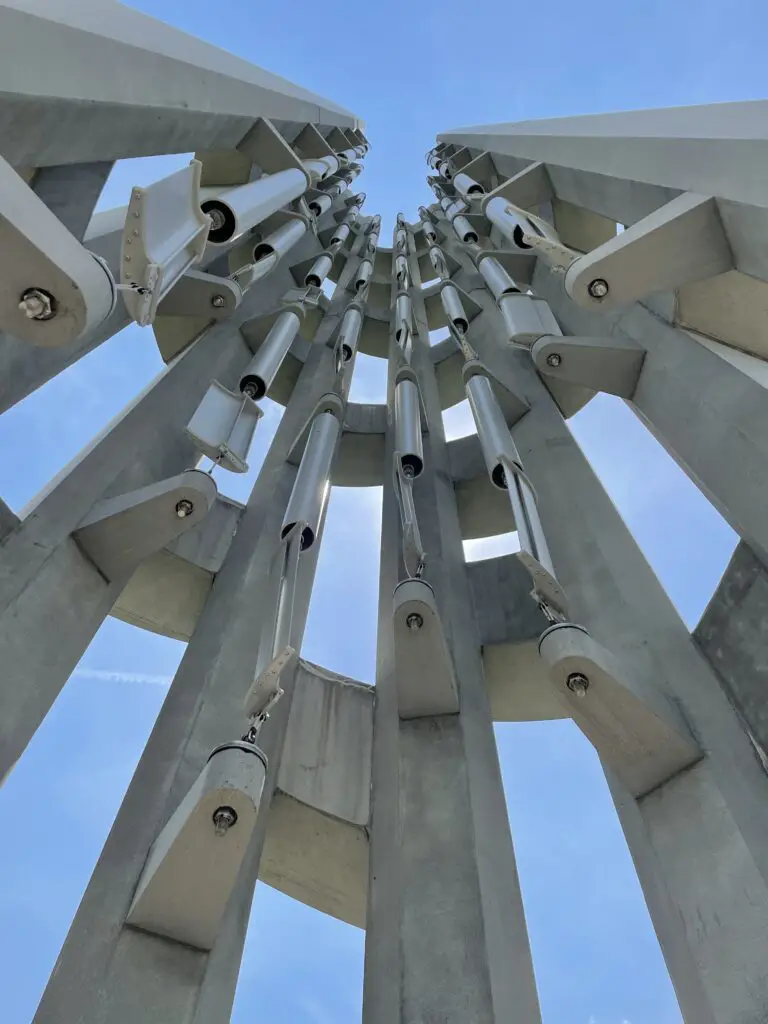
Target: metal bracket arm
{"type": "Point", "coordinates": [611, 365]}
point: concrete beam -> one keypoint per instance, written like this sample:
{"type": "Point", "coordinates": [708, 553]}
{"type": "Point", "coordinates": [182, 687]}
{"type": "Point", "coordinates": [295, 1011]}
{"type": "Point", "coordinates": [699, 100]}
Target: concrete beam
{"type": "Point", "coordinates": [129, 86]}
{"type": "Point", "coordinates": [708, 406]}
{"type": "Point", "coordinates": [711, 149]}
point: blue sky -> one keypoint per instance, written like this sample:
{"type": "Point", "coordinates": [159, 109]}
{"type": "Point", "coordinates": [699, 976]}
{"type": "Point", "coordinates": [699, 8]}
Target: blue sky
{"type": "Point", "coordinates": [410, 69]}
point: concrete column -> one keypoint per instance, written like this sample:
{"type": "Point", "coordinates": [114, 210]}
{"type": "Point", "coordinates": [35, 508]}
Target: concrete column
{"type": "Point", "coordinates": [700, 840]}
{"type": "Point", "coordinates": [110, 973]}
{"type": "Point", "coordinates": [446, 938]}
{"type": "Point", "coordinates": [709, 410]}
{"type": "Point", "coordinates": [52, 597]}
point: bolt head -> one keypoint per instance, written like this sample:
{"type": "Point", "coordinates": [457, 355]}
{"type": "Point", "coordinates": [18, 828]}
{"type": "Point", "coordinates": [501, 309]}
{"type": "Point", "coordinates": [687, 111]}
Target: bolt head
{"type": "Point", "coordinates": [578, 684]}
{"type": "Point", "coordinates": [184, 508]}
{"type": "Point", "coordinates": [224, 818]}
{"type": "Point", "coordinates": [37, 304]}
{"type": "Point", "coordinates": [598, 288]}
{"type": "Point", "coordinates": [554, 359]}
{"type": "Point", "coordinates": [218, 301]}
{"type": "Point", "coordinates": [414, 622]}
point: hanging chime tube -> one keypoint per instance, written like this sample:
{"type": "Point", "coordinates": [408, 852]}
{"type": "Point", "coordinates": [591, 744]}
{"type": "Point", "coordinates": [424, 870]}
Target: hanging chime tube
{"type": "Point", "coordinates": [262, 369]}
{"type": "Point", "coordinates": [312, 484]}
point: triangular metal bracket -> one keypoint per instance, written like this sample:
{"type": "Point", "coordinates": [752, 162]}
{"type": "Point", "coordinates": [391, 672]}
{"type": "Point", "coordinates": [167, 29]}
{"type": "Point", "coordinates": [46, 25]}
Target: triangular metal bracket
{"type": "Point", "coordinates": [266, 147]}
{"type": "Point", "coordinates": [611, 365]}
{"type": "Point", "coordinates": [203, 295]}
{"type": "Point", "coordinates": [311, 144]}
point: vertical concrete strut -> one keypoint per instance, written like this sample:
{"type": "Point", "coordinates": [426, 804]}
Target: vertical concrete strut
{"type": "Point", "coordinates": [704, 917]}
{"type": "Point", "coordinates": [446, 936]}
{"type": "Point", "coordinates": [101, 974]}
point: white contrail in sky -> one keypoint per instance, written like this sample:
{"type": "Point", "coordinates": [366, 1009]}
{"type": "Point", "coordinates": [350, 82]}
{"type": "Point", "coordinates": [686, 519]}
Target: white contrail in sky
{"type": "Point", "coordinates": [116, 676]}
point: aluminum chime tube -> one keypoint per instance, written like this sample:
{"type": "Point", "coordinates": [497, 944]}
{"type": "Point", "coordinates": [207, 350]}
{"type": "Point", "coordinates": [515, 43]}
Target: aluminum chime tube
{"type": "Point", "coordinates": [409, 463]}
{"type": "Point", "coordinates": [518, 226]}
{"type": "Point", "coordinates": [312, 485]}
{"type": "Point", "coordinates": [467, 187]}
{"type": "Point", "coordinates": [321, 204]}
{"type": "Point", "coordinates": [363, 276]}
{"type": "Point", "coordinates": [401, 273]}
{"type": "Point", "coordinates": [349, 332]}
{"type": "Point", "coordinates": [321, 167]}
{"type": "Point", "coordinates": [238, 210]}
{"type": "Point", "coordinates": [403, 319]}
{"type": "Point", "coordinates": [262, 369]}
{"type": "Point", "coordinates": [268, 253]}
{"type": "Point", "coordinates": [454, 308]}
{"type": "Point", "coordinates": [505, 469]}
{"type": "Point", "coordinates": [319, 270]}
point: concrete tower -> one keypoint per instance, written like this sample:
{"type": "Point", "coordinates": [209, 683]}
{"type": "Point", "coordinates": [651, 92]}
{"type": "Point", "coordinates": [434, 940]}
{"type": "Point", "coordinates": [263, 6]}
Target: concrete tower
{"type": "Point", "coordinates": [620, 253]}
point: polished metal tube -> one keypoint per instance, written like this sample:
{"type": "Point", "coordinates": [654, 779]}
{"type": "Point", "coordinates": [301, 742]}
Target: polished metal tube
{"type": "Point", "coordinates": [437, 259]}
{"type": "Point", "coordinates": [453, 308]}
{"type": "Point", "coordinates": [493, 433]}
{"type": "Point", "coordinates": [403, 317]}
{"type": "Point", "coordinates": [319, 270]}
{"type": "Point", "coordinates": [349, 332]}
{"type": "Point", "coordinates": [321, 204]}
{"type": "Point", "coordinates": [364, 274]}
{"type": "Point", "coordinates": [463, 229]}
{"type": "Point", "coordinates": [467, 186]}
{"type": "Point", "coordinates": [237, 210]}
{"type": "Point", "coordinates": [408, 439]}
{"type": "Point", "coordinates": [313, 480]}
{"type": "Point", "coordinates": [495, 276]}
{"type": "Point", "coordinates": [262, 369]}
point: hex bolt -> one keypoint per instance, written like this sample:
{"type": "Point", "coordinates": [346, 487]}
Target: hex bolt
{"type": "Point", "coordinates": [184, 508]}
{"type": "Point", "coordinates": [218, 301]}
{"type": "Point", "coordinates": [414, 621]}
{"type": "Point", "coordinates": [598, 288]}
{"type": "Point", "coordinates": [37, 304]}
{"type": "Point", "coordinates": [224, 818]}
{"type": "Point", "coordinates": [554, 359]}
{"type": "Point", "coordinates": [578, 684]}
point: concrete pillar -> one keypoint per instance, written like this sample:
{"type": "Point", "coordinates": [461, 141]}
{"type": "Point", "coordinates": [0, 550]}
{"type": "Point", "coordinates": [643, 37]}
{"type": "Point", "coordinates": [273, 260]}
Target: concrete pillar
{"type": "Point", "coordinates": [700, 840]}
{"type": "Point", "coordinates": [446, 938]}
{"type": "Point", "coordinates": [111, 973]}
{"type": "Point", "coordinates": [709, 410]}
{"type": "Point", "coordinates": [52, 597]}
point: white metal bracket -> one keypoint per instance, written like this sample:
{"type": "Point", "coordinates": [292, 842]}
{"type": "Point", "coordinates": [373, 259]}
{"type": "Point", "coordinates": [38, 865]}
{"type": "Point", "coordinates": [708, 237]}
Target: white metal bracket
{"type": "Point", "coordinates": [635, 729]}
{"type": "Point", "coordinates": [611, 365]}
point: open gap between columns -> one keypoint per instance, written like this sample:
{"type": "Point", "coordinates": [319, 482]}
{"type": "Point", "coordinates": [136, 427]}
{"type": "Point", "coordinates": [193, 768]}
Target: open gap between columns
{"type": "Point", "coordinates": [587, 918]}
{"type": "Point", "coordinates": [483, 548]}
{"type": "Point", "coordinates": [62, 796]}
{"type": "Point", "coordinates": [369, 380]}
{"type": "Point", "coordinates": [343, 613]}
{"type": "Point", "coordinates": [683, 536]}
{"type": "Point", "coordinates": [458, 421]}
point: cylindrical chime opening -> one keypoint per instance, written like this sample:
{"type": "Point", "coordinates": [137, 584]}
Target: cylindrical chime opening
{"type": "Point", "coordinates": [454, 309]}
{"type": "Point", "coordinates": [464, 229]}
{"type": "Point", "coordinates": [253, 385]}
{"type": "Point", "coordinates": [312, 483]}
{"type": "Point", "coordinates": [223, 222]}
{"type": "Point", "coordinates": [363, 275]}
{"type": "Point", "coordinates": [408, 441]}
{"type": "Point", "coordinates": [320, 204]}
{"type": "Point", "coordinates": [319, 271]}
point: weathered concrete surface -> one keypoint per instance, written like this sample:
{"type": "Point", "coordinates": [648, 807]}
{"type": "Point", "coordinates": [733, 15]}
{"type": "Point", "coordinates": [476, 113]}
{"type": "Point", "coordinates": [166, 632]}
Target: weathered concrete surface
{"type": "Point", "coordinates": [594, 557]}
{"type": "Point", "coordinates": [316, 847]}
{"type": "Point", "coordinates": [130, 86]}
{"type": "Point", "coordinates": [446, 938]}
{"type": "Point", "coordinates": [733, 636]}
{"type": "Point", "coordinates": [111, 973]}
{"type": "Point", "coordinates": [710, 413]}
